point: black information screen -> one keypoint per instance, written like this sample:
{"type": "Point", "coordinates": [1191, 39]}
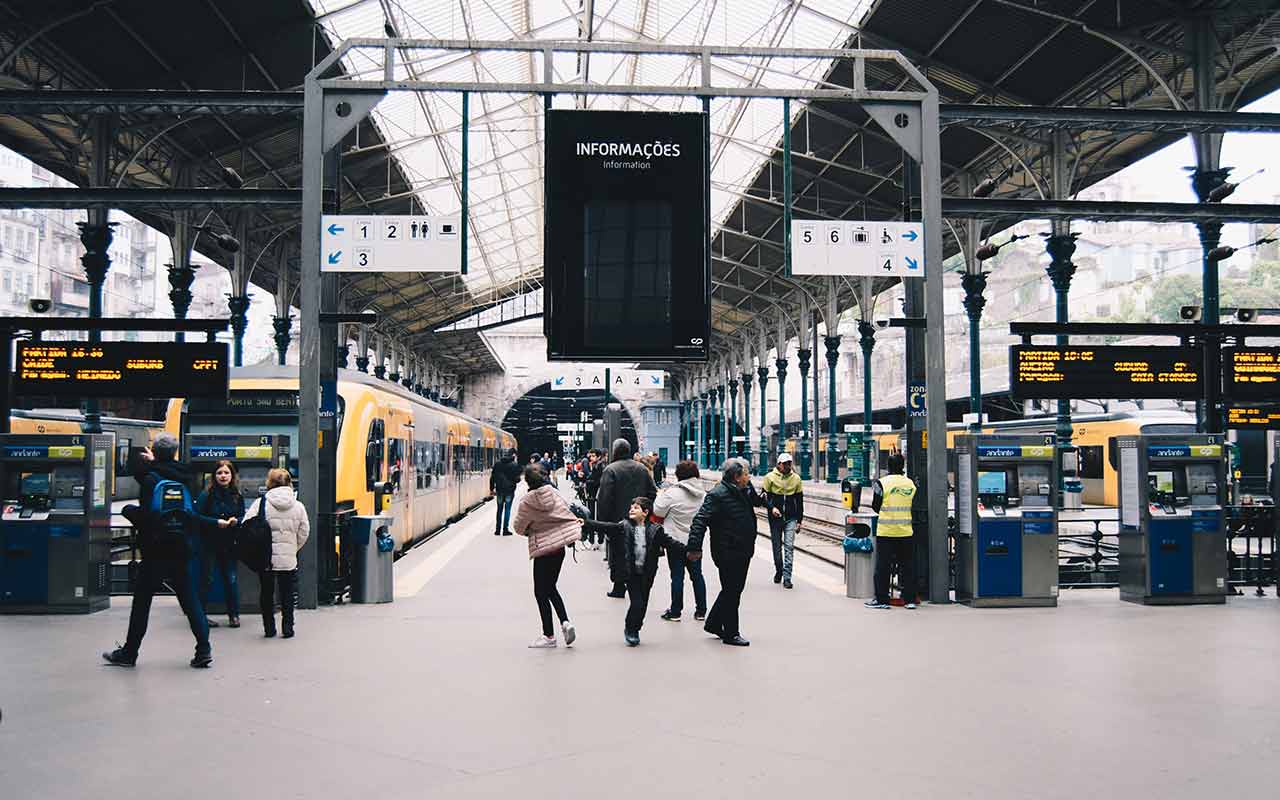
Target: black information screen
{"type": "Point", "coordinates": [1260, 417]}
{"type": "Point", "coordinates": [626, 237]}
{"type": "Point", "coordinates": [121, 369]}
{"type": "Point", "coordinates": [1251, 373]}
{"type": "Point", "coordinates": [1106, 372]}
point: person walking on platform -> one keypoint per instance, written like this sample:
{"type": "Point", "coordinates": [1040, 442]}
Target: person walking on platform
{"type": "Point", "coordinates": [621, 482]}
{"type": "Point", "coordinates": [676, 506]}
{"type": "Point", "coordinates": [728, 512]}
{"type": "Point", "coordinates": [893, 497]}
{"type": "Point", "coordinates": [169, 536]}
{"type": "Point", "coordinates": [544, 517]}
{"type": "Point", "coordinates": [640, 543]}
{"type": "Point", "coordinates": [784, 497]}
{"type": "Point", "coordinates": [220, 507]}
{"type": "Point", "coordinates": [659, 469]}
{"type": "Point", "coordinates": [290, 530]}
{"type": "Point", "coordinates": [502, 485]}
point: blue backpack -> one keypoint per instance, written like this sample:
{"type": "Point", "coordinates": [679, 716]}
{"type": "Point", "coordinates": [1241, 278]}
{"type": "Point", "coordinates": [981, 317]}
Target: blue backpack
{"type": "Point", "coordinates": [171, 508]}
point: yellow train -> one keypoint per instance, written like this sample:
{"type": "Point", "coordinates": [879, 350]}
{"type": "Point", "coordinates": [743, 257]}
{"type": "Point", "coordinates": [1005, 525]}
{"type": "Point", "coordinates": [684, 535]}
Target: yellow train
{"type": "Point", "coordinates": [1090, 432]}
{"type": "Point", "coordinates": [437, 458]}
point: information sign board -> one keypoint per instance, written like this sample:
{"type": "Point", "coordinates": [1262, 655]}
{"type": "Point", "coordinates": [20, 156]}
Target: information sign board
{"type": "Point", "coordinates": [825, 247]}
{"type": "Point", "coordinates": [1255, 417]}
{"type": "Point", "coordinates": [1251, 373]}
{"type": "Point", "coordinates": [121, 369]}
{"type": "Point", "coordinates": [1069, 372]}
{"type": "Point", "coordinates": [619, 379]}
{"type": "Point", "coordinates": [390, 243]}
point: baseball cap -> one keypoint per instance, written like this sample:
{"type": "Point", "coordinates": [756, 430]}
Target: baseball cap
{"type": "Point", "coordinates": [784, 458]}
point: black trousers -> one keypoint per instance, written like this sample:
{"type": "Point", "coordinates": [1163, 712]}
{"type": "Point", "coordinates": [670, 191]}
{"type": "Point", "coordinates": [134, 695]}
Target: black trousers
{"type": "Point", "coordinates": [288, 582]}
{"type": "Point", "coordinates": [723, 617]}
{"type": "Point", "coordinates": [899, 551]}
{"type": "Point", "coordinates": [182, 573]}
{"type": "Point", "coordinates": [638, 592]}
{"type": "Point", "coordinates": [546, 571]}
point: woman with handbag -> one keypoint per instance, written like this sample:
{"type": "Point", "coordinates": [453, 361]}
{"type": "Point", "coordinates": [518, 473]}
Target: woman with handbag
{"type": "Point", "coordinates": [545, 518]}
{"type": "Point", "coordinates": [219, 507]}
{"type": "Point", "coordinates": [287, 520]}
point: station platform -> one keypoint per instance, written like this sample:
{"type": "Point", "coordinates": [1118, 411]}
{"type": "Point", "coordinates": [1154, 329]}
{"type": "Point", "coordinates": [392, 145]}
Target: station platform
{"type": "Point", "coordinates": [436, 695]}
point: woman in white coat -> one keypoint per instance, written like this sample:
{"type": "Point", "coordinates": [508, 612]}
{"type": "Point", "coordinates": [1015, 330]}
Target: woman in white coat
{"type": "Point", "coordinates": [289, 531]}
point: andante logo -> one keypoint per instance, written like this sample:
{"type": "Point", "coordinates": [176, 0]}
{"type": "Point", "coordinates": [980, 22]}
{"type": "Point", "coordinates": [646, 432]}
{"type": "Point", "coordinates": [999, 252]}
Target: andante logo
{"type": "Point", "coordinates": [630, 149]}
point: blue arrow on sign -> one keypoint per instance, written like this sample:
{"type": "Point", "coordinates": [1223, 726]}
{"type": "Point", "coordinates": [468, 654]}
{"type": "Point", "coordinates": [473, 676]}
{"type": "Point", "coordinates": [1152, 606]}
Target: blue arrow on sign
{"type": "Point", "coordinates": [656, 380]}
{"type": "Point", "coordinates": [334, 257]}
{"type": "Point", "coordinates": [912, 263]}
{"type": "Point", "coordinates": [910, 236]}
{"type": "Point", "coordinates": [559, 381]}
{"type": "Point", "coordinates": [335, 229]}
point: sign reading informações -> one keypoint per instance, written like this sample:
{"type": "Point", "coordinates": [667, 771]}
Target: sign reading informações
{"type": "Point", "coordinates": [625, 240]}
{"type": "Point", "coordinates": [1054, 372]}
{"type": "Point", "coordinates": [121, 369]}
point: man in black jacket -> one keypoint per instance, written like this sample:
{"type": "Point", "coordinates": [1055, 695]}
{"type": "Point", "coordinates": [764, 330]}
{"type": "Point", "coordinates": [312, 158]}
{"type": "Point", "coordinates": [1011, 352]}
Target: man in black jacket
{"type": "Point", "coordinates": [164, 555]}
{"type": "Point", "coordinates": [728, 511]}
{"type": "Point", "coordinates": [621, 482]}
{"type": "Point", "coordinates": [502, 485]}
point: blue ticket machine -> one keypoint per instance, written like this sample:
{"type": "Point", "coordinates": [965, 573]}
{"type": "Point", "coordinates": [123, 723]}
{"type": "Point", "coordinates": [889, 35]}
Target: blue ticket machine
{"type": "Point", "coordinates": [55, 537]}
{"type": "Point", "coordinates": [1173, 547]}
{"type": "Point", "coordinates": [1007, 520]}
{"type": "Point", "coordinates": [254, 455]}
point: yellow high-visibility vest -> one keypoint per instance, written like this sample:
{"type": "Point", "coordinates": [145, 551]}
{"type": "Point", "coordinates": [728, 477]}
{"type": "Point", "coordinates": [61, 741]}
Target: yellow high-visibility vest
{"type": "Point", "coordinates": [895, 511]}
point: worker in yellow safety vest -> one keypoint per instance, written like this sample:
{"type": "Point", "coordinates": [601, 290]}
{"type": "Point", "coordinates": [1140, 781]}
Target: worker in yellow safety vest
{"type": "Point", "coordinates": [894, 494]}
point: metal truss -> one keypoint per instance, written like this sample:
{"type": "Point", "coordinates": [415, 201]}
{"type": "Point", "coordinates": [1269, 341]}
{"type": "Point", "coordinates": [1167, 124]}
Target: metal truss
{"type": "Point", "coordinates": [974, 208]}
{"type": "Point", "coordinates": [127, 199]}
{"type": "Point", "coordinates": [185, 103]}
{"type": "Point", "coordinates": [1041, 118]}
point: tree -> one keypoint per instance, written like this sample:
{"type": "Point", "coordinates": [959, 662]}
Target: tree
{"type": "Point", "coordinates": [1171, 293]}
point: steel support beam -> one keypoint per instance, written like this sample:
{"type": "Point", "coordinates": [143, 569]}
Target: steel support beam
{"type": "Point", "coordinates": [111, 101]}
{"type": "Point", "coordinates": [1103, 210]}
{"type": "Point", "coordinates": [107, 197]}
{"type": "Point", "coordinates": [1111, 119]}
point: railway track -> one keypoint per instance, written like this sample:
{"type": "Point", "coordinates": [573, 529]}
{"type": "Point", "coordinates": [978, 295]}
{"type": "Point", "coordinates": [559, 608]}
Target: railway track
{"type": "Point", "coordinates": [813, 531]}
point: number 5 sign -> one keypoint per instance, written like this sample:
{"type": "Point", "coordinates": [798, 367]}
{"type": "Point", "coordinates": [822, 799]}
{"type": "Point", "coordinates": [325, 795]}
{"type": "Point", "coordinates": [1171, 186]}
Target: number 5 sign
{"type": "Point", "coordinates": [894, 249]}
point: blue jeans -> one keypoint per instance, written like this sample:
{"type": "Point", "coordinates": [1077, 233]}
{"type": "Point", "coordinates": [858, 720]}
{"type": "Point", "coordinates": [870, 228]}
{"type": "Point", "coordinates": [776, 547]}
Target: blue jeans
{"type": "Point", "coordinates": [503, 511]}
{"type": "Point", "coordinates": [679, 564]}
{"type": "Point", "coordinates": [220, 562]}
{"type": "Point", "coordinates": [782, 535]}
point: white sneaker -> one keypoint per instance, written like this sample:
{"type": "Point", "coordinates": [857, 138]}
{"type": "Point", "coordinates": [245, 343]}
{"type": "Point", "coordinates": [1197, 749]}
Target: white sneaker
{"type": "Point", "coordinates": [911, 605]}
{"type": "Point", "coordinates": [543, 642]}
{"type": "Point", "coordinates": [569, 632]}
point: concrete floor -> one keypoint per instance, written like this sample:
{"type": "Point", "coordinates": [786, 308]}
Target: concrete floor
{"type": "Point", "coordinates": [437, 696]}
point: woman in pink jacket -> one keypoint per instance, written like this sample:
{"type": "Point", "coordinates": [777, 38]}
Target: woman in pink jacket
{"type": "Point", "coordinates": [544, 517]}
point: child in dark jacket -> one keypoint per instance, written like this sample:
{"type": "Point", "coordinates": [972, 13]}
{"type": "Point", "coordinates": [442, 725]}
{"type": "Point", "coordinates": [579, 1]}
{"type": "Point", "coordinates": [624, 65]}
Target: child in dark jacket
{"type": "Point", "coordinates": [642, 543]}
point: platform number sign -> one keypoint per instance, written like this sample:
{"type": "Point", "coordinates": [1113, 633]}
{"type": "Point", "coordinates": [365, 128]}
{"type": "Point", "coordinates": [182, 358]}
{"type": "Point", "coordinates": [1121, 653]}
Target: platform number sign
{"type": "Point", "coordinates": [885, 249]}
{"type": "Point", "coordinates": [416, 243]}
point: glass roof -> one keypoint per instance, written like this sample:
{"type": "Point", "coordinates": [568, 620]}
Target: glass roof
{"type": "Point", "coordinates": [505, 160]}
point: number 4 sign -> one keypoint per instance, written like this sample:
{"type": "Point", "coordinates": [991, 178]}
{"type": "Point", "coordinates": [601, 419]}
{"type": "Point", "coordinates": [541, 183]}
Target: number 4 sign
{"type": "Point", "coordinates": [894, 249]}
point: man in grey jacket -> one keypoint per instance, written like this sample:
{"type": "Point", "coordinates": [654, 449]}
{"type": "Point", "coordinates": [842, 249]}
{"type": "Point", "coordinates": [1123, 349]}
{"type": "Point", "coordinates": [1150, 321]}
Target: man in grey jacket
{"type": "Point", "coordinates": [676, 505]}
{"type": "Point", "coordinates": [621, 482]}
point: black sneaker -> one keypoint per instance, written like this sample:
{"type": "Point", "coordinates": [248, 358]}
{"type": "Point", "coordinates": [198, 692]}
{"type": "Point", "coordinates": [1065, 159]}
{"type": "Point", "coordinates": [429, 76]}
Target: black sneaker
{"type": "Point", "coordinates": [667, 615]}
{"type": "Point", "coordinates": [120, 658]}
{"type": "Point", "coordinates": [615, 595]}
{"type": "Point", "coordinates": [700, 615]}
{"type": "Point", "coordinates": [777, 577]}
{"type": "Point", "coordinates": [787, 584]}
{"type": "Point", "coordinates": [202, 660]}
{"type": "Point", "coordinates": [214, 623]}
{"type": "Point", "coordinates": [506, 533]}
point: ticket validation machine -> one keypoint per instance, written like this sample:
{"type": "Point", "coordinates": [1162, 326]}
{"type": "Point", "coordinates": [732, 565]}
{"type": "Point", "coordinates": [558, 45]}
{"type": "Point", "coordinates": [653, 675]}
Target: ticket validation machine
{"type": "Point", "coordinates": [1173, 547]}
{"type": "Point", "coordinates": [1007, 520]}
{"type": "Point", "coordinates": [55, 537]}
{"type": "Point", "coordinates": [254, 455]}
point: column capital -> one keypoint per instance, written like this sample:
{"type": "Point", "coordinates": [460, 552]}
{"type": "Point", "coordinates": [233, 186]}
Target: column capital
{"type": "Point", "coordinates": [974, 284]}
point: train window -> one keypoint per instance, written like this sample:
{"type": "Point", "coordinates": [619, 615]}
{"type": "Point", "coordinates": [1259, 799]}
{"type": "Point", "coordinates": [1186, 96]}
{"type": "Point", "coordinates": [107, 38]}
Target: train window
{"type": "Point", "coordinates": [342, 414]}
{"type": "Point", "coordinates": [373, 454]}
{"type": "Point", "coordinates": [1091, 465]}
{"type": "Point", "coordinates": [122, 456]}
{"type": "Point", "coordinates": [395, 460]}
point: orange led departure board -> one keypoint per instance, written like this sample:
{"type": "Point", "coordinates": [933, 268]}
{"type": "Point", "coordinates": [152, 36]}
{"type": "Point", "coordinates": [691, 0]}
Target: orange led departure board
{"type": "Point", "coordinates": [1119, 372]}
{"type": "Point", "coordinates": [121, 369]}
{"type": "Point", "coordinates": [1251, 373]}
{"type": "Point", "coordinates": [1256, 417]}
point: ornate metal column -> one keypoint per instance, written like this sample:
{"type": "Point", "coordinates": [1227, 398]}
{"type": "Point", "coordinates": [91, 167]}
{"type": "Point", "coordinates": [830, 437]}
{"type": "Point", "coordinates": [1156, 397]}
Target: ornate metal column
{"type": "Point", "coordinates": [180, 280]}
{"type": "Point", "coordinates": [803, 357]}
{"type": "Point", "coordinates": [1061, 246]}
{"type": "Point", "coordinates": [762, 372]}
{"type": "Point", "coordinates": [866, 338]}
{"type": "Point", "coordinates": [394, 374]}
{"type": "Point", "coordinates": [344, 349]}
{"type": "Point", "coordinates": [379, 357]}
{"type": "Point", "coordinates": [974, 284]}
{"type": "Point", "coordinates": [96, 235]}
{"type": "Point", "coordinates": [747, 380]}
{"type": "Point", "coordinates": [733, 417]}
{"type": "Point", "coordinates": [362, 347]}
{"type": "Point", "coordinates": [238, 300]}
{"type": "Point", "coordinates": [181, 274]}
{"type": "Point", "coordinates": [722, 448]}
{"type": "Point", "coordinates": [833, 442]}
{"type": "Point", "coordinates": [238, 305]}
{"type": "Point", "coordinates": [282, 322]}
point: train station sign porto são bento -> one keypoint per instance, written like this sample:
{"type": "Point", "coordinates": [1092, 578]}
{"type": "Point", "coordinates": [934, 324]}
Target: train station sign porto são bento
{"type": "Point", "coordinates": [626, 275]}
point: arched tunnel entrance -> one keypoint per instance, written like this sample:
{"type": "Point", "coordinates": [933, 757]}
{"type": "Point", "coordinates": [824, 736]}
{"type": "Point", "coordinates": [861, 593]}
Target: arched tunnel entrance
{"type": "Point", "coordinates": [535, 417]}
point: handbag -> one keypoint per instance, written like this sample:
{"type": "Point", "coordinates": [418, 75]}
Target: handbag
{"type": "Point", "coordinates": [253, 540]}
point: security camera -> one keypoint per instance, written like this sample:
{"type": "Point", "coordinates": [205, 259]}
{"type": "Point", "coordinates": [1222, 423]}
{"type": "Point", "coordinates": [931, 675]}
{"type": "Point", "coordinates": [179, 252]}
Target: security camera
{"type": "Point", "coordinates": [1189, 313]}
{"type": "Point", "coordinates": [39, 305]}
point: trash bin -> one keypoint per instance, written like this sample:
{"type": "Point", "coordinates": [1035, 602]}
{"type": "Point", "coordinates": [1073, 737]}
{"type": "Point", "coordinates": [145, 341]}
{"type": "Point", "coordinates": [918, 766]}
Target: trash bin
{"type": "Point", "coordinates": [1072, 493]}
{"type": "Point", "coordinates": [859, 567]}
{"type": "Point", "coordinates": [372, 556]}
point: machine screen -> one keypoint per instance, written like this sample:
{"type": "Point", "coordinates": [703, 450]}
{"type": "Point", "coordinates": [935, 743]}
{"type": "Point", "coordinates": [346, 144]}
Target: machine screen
{"type": "Point", "coordinates": [992, 483]}
{"type": "Point", "coordinates": [1162, 481]}
{"type": "Point", "coordinates": [34, 483]}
